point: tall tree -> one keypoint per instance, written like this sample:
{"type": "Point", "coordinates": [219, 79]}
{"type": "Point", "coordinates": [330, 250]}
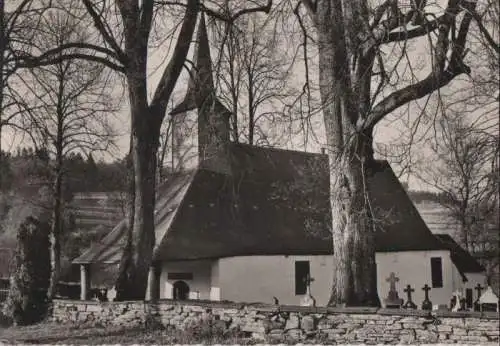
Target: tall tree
{"type": "Point", "coordinates": [465, 171]}
{"type": "Point", "coordinates": [360, 85]}
{"type": "Point", "coordinates": [14, 27]}
{"type": "Point", "coordinates": [253, 75]}
{"type": "Point", "coordinates": [74, 113]}
{"type": "Point", "coordinates": [123, 45]}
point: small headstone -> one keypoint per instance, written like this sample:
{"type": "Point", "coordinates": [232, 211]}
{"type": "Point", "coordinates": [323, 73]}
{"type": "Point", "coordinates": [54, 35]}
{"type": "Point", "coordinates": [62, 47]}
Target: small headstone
{"type": "Point", "coordinates": [308, 299]}
{"type": "Point", "coordinates": [426, 304]}
{"type": "Point", "coordinates": [453, 301]}
{"type": "Point", "coordinates": [457, 295]}
{"type": "Point", "coordinates": [393, 300]}
{"type": "Point", "coordinates": [488, 301]}
{"type": "Point", "coordinates": [409, 303]}
{"type": "Point", "coordinates": [111, 294]}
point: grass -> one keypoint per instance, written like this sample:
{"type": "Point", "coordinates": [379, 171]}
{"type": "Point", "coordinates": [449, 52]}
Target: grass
{"type": "Point", "coordinates": [52, 333]}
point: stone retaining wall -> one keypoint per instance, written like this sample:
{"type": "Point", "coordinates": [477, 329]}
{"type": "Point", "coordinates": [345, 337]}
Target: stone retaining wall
{"type": "Point", "coordinates": [268, 322]}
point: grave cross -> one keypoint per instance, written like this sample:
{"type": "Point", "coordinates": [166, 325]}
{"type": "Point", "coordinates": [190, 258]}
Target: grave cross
{"type": "Point", "coordinates": [392, 300]}
{"type": "Point", "coordinates": [392, 279]}
{"type": "Point", "coordinates": [426, 304]}
{"type": "Point", "coordinates": [409, 303]}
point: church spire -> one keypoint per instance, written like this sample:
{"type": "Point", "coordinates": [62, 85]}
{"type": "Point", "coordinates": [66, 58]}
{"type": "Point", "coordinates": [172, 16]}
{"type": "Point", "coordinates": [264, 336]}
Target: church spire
{"type": "Point", "coordinates": [213, 116]}
{"type": "Point", "coordinates": [201, 82]}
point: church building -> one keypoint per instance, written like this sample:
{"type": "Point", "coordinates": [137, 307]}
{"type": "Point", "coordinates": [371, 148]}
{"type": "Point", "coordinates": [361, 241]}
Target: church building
{"type": "Point", "coordinates": [252, 224]}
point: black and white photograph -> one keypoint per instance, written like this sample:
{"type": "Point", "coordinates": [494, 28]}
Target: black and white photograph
{"type": "Point", "coordinates": [249, 172]}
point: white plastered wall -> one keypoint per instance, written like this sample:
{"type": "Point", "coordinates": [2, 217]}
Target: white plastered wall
{"type": "Point", "coordinates": [260, 278]}
{"type": "Point", "coordinates": [199, 285]}
{"type": "Point", "coordinates": [414, 268]}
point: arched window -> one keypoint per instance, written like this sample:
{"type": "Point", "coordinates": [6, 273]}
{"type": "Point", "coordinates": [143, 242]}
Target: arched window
{"type": "Point", "coordinates": [181, 290]}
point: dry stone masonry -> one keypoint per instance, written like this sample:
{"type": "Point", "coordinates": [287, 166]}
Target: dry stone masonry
{"type": "Point", "coordinates": [282, 323]}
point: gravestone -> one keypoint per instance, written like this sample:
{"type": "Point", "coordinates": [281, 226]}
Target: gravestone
{"type": "Point", "coordinates": [308, 299]}
{"type": "Point", "coordinates": [409, 303]}
{"type": "Point", "coordinates": [393, 300]}
{"type": "Point", "coordinates": [488, 301]}
{"type": "Point", "coordinates": [111, 294]}
{"type": "Point", "coordinates": [426, 304]}
{"type": "Point", "coordinates": [457, 301]}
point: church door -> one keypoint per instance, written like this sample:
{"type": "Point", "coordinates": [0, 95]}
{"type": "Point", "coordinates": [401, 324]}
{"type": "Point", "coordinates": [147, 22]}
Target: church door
{"type": "Point", "coordinates": [181, 290]}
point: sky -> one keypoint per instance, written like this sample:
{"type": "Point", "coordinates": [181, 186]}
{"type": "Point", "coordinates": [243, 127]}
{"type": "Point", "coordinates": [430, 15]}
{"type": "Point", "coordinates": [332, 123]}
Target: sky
{"type": "Point", "coordinates": [388, 133]}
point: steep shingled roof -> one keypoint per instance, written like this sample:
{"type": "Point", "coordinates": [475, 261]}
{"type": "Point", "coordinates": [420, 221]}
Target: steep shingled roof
{"type": "Point", "coordinates": [462, 258]}
{"type": "Point", "coordinates": [170, 196]}
{"type": "Point", "coordinates": [274, 202]}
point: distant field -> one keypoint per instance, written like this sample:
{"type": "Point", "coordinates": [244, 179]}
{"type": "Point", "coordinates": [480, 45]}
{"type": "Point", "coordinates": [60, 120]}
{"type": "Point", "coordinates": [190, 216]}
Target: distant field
{"type": "Point", "coordinates": [97, 209]}
{"type": "Point", "coordinates": [436, 217]}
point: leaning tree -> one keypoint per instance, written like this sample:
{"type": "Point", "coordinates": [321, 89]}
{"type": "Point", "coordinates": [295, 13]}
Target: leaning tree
{"type": "Point", "coordinates": [365, 73]}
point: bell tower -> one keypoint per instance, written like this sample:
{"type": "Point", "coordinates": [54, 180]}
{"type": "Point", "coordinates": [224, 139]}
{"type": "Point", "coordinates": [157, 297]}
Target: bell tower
{"type": "Point", "coordinates": [213, 116]}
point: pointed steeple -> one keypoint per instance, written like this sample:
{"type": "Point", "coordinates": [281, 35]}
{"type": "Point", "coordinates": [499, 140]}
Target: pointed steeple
{"type": "Point", "coordinates": [213, 116]}
{"type": "Point", "coordinates": [201, 81]}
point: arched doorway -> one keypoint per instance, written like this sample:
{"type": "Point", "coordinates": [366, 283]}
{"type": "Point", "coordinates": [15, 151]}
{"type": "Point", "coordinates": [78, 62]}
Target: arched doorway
{"type": "Point", "coordinates": [181, 290]}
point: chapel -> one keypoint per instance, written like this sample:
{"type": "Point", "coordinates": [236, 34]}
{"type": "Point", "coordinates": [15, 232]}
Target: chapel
{"type": "Point", "coordinates": [252, 224]}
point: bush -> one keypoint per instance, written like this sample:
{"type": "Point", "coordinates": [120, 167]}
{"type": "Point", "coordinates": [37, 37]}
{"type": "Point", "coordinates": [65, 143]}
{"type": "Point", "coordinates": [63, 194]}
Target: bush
{"type": "Point", "coordinates": [29, 276]}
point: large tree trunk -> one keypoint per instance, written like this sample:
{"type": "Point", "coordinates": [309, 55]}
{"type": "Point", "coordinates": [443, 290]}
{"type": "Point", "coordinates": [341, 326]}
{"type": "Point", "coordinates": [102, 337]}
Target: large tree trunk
{"type": "Point", "coordinates": [354, 279]}
{"type": "Point", "coordinates": [2, 52]}
{"type": "Point", "coordinates": [122, 280]}
{"type": "Point", "coordinates": [55, 238]}
{"type": "Point", "coordinates": [353, 234]}
{"type": "Point", "coordinates": [350, 156]}
{"type": "Point", "coordinates": [138, 253]}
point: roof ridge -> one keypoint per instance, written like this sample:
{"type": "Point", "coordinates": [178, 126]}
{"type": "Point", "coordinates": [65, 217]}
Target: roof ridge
{"type": "Point", "coordinates": [253, 146]}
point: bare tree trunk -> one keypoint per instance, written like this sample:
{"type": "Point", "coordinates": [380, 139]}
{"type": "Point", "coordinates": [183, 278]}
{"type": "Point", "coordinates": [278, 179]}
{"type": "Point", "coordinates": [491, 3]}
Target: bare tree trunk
{"type": "Point", "coordinates": [2, 56]}
{"type": "Point", "coordinates": [57, 217]}
{"type": "Point", "coordinates": [55, 234]}
{"type": "Point", "coordinates": [137, 258]}
{"type": "Point", "coordinates": [122, 280]}
{"type": "Point", "coordinates": [164, 148]}
{"type": "Point", "coordinates": [234, 86]}
{"type": "Point", "coordinates": [354, 279]}
{"type": "Point", "coordinates": [464, 233]}
{"type": "Point", "coordinates": [350, 155]}
{"type": "Point", "coordinates": [251, 110]}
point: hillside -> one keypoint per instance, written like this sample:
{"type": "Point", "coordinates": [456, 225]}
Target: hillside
{"type": "Point", "coordinates": [436, 217]}
{"type": "Point", "coordinates": [97, 209]}
{"type": "Point", "coordinates": [90, 217]}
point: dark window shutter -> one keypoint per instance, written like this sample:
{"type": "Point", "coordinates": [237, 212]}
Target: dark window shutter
{"type": "Point", "coordinates": [301, 275]}
{"type": "Point", "coordinates": [437, 272]}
